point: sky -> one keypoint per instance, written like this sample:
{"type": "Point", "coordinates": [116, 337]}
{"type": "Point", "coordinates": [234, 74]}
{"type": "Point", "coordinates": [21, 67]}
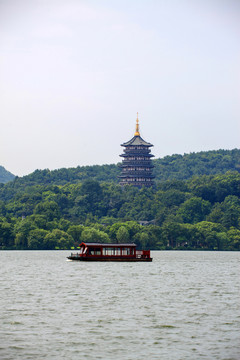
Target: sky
{"type": "Point", "coordinates": [74, 74]}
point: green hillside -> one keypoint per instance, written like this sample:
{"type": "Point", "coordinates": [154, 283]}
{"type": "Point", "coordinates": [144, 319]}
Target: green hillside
{"type": "Point", "coordinates": [183, 167]}
{"type": "Point", "coordinates": [5, 175]}
{"type": "Point", "coordinates": [179, 167]}
{"type": "Point", "coordinates": [194, 205]}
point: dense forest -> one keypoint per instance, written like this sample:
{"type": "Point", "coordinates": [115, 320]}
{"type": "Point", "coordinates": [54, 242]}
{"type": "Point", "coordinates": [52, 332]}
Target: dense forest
{"type": "Point", "coordinates": [185, 210]}
{"type": "Point", "coordinates": [181, 167]}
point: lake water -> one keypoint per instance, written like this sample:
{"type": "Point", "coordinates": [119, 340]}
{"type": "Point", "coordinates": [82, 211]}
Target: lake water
{"type": "Point", "coordinates": [183, 305]}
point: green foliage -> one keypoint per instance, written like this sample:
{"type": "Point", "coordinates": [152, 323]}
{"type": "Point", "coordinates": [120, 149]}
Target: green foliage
{"type": "Point", "coordinates": [6, 234]}
{"type": "Point", "coordinates": [183, 167]}
{"type": "Point", "coordinates": [75, 231]}
{"type": "Point", "coordinates": [49, 210]}
{"type": "Point", "coordinates": [94, 235]}
{"type": "Point", "coordinates": [194, 210]}
{"type": "Point", "coordinates": [22, 230]}
{"type": "Point", "coordinates": [122, 235]}
{"type": "Point", "coordinates": [36, 239]}
{"type": "Point", "coordinates": [58, 239]}
{"type": "Point", "coordinates": [234, 237]}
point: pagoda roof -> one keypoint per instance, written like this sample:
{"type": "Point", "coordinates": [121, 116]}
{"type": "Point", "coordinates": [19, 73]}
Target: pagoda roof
{"type": "Point", "coordinates": [136, 141]}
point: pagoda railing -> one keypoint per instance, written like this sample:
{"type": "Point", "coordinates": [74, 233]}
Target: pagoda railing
{"type": "Point", "coordinates": [126, 155]}
{"type": "Point", "coordinates": [137, 172]}
{"type": "Point", "coordinates": [131, 171]}
{"type": "Point", "coordinates": [137, 151]}
{"type": "Point", "coordinates": [145, 176]}
{"type": "Point", "coordinates": [145, 163]}
{"type": "Point", "coordinates": [138, 183]}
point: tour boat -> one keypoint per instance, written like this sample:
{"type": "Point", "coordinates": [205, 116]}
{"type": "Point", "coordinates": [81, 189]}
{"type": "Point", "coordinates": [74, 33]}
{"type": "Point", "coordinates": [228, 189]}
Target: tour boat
{"type": "Point", "coordinates": [110, 252]}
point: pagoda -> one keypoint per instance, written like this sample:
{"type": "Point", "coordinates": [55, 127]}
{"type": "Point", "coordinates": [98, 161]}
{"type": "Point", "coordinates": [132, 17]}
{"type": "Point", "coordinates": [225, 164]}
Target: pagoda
{"type": "Point", "coordinates": [137, 165]}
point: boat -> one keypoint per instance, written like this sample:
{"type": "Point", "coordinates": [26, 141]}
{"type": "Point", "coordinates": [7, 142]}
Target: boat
{"type": "Point", "coordinates": [110, 252]}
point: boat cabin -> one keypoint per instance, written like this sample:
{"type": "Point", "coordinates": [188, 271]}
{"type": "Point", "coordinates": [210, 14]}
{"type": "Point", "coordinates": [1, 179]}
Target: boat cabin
{"type": "Point", "coordinates": [110, 252]}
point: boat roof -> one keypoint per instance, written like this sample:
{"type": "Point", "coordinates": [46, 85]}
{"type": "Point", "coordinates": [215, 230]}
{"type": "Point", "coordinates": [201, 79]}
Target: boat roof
{"type": "Point", "coordinates": [107, 245]}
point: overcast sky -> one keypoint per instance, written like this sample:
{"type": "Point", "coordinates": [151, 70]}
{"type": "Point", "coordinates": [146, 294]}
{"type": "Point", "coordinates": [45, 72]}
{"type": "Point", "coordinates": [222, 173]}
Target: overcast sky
{"type": "Point", "coordinates": [73, 75]}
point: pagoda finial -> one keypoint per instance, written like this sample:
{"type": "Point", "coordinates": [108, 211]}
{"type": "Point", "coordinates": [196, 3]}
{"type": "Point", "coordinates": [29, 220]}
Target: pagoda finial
{"type": "Point", "coordinates": [137, 133]}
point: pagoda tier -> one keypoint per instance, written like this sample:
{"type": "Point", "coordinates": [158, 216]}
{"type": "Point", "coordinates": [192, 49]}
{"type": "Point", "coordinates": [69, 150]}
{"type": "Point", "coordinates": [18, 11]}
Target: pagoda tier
{"type": "Point", "coordinates": [137, 165]}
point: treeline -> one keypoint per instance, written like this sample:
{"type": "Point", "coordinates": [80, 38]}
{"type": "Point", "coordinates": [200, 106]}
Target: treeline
{"type": "Point", "coordinates": [180, 167]}
{"type": "Point", "coordinates": [183, 167]}
{"type": "Point", "coordinates": [200, 213]}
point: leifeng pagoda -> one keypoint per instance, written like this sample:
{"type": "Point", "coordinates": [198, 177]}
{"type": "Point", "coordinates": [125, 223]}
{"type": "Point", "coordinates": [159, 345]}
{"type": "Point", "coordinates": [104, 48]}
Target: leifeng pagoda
{"type": "Point", "coordinates": [137, 165]}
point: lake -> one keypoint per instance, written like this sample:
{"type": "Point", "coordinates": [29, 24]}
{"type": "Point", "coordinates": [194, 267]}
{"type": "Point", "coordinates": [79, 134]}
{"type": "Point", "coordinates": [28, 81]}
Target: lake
{"type": "Point", "coordinates": [183, 305]}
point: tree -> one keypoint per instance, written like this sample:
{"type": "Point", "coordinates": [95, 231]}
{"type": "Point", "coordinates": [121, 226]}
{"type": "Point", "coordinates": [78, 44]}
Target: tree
{"type": "Point", "coordinates": [227, 212]}
{"type": "Point", "coordinates": [36, 239]}
{"type": "Point", "coordinates": [48, 208]}
{"type": "Point", "coordinates": [3, 210]}
{"type": "Point", "coordinates": [231, 212]}
{"type": "Point", "coordinates": [144, 240]}
{"type": "Point", "coordinates": [22, 230]}
{"type": "Point", "coordinates": [122, 235]}
{"type": "Point", "coordinates": [234, 238]}
{"type": "Point", "coordinates": [171, 197]}
{"type": "Point", "coordinates": [208, 232]}
{"type": "Point", "coordinates": [94, 235]}
{"type": "Point", "coordinates": [172, 234]}
{"type": "Point", "coordinates": [91, 192]}
{"type": "Point", "coordinates": [6, 234]}
{"type": "Point", "coordinates": [75, 231]}
{"type": "Point", "coordinates": [194, 210]}
{"type": "Point", "coordinates": [58, 239]}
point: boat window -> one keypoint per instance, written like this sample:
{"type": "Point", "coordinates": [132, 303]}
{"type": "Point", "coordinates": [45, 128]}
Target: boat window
{"type": "Point", "coordinates": [118, 251]}
{"type": "Point", "coordinates": [112, 251]}
{"type": "Point", "coordinates": [94, 251]}
{"type": "Point", "coordinates": [97, 251]}
{"type": "Point", "coordinates": [125, 251]}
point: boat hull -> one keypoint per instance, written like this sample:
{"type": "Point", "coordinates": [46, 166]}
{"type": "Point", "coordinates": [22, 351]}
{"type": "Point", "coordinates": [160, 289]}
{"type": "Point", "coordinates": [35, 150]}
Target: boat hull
{"type": "Point", "coordinates": [88, 258]}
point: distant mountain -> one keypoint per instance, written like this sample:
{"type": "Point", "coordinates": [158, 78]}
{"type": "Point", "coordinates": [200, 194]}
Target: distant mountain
{"type": "Point", "coordinates": [5, 175]}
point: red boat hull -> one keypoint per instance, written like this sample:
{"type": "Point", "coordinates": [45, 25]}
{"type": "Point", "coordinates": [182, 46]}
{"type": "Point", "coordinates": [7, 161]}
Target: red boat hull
{"type": "Point", "coordinates": [91, 258]}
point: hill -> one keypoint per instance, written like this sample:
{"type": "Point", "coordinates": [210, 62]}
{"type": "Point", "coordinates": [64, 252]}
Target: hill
{"type": "Point", "coordinates": [201, 213]}
{"type": "Point", "coordinates": [194, 205]}
{"type": "Point", "coordinates": [5, 175]}
{"type": "Point", "coordinates": [183, 167]}
{"type": "Point", "coordinates": [178, 167]}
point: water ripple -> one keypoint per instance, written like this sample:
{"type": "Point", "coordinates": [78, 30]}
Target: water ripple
{"type": "Point", "coordinates": [183, 305]}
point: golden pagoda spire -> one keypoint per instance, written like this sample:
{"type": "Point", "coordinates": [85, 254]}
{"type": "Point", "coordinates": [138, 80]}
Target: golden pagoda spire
{"type": "Point", "coordinates": [137, 133]}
